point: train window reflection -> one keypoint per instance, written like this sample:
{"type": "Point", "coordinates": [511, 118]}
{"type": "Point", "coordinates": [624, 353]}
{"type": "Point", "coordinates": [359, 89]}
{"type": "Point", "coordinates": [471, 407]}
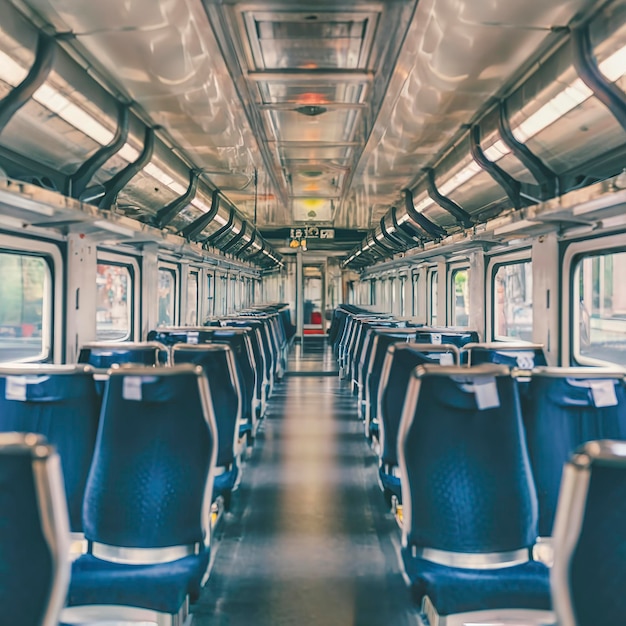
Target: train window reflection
{"type": "Point", "coordinates": [460, 304]}
{"type": "Point", "coordinates": [513, 304]}
{"type": "Point", "coordinates": [599, 308]}
{"type": "Point", "coordinates": [167, 297]}
{"type": "Point", "coordinates": [25, 307]}
{"type": "Point", "coordinates": [114, 306]}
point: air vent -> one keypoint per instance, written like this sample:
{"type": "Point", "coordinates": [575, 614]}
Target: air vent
{"type": "Point", "coordinates": [312, 110]}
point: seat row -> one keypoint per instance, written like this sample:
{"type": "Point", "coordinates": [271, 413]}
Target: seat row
{"type": "Point", "coordinates": [143, 457]}
{"type": "Point", "coordinates": [475, 456]}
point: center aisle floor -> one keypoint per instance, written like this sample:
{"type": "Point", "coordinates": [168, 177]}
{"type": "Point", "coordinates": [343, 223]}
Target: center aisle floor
{"type": "Point", "coordinates": [308, 540]}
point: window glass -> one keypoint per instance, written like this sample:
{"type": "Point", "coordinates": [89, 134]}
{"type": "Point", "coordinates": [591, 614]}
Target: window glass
{"type": "Point", "coordinates": [192, 299]}
{"type": "Point", "coordinates": [25, 307]}
{"type": "Point", "coordinates": [600, 307]}
{"type": "Point", "coordinates": [460, 308]}
{"type": "Point", "coordinates": [434, 289]}
{"type": "Point", "coordinates": [513, 301]}
{"type": "Point", "coordinates": [167, 297]}
{"type": "Point", "coordinates": [113, 302]}
{"type": "Point", "coordinates": [416, 295]}
{"type": "Point", "coordinates": [372, 292]}
{"type": "Point", "coordinates": [209, 291]}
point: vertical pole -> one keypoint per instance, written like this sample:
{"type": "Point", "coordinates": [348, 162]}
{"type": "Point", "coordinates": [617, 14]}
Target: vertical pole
{"type": "Point", "coordinates": [299, 296]}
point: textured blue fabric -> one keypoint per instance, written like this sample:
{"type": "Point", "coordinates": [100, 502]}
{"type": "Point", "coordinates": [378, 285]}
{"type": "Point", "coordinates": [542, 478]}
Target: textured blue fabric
{"type": "Point", "coordinates": [224, 396]}
{"type": "Point", "coordinates": [455, 590]}
{"type": "Point", "coordinates": [160, 587]}
{"type": "Point", "coordinates": [148, 476]}
{"type": "Point", "coordinates": [225, 482]}
{"type": "Point", "coordinates": [523, 359]}
{"type": "Point", "coordinates": [391, 484]}
{"type": "Point", "coordinates": [263, 338]}
{"type": "Point", "coordinates": [405, 359]}
{"type": "Point", "coordinates": [558, 417]}
{"type": "Point", "coordinates": [26, 567]}
{"type": "Point", "coordinates": [105, 357]}
{"type": "Point", "coordinates": [597, 572]}
{"type": "Point", "coordinates": [469, 477]}
{"type": "Point", "coordinates": [65, 408]}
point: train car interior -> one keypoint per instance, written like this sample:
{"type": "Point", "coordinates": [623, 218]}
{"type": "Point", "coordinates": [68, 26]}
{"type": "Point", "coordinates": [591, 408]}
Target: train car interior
{"type": "Point", "coordinates": [310, 312]}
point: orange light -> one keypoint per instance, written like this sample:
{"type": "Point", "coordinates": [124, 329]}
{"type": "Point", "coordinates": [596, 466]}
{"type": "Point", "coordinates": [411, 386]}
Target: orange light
{"type": "Point", "coordinates": [311, 98]}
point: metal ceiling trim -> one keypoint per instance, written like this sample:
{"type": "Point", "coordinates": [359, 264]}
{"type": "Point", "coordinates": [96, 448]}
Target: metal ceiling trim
{"type": "Point", "coordinates": [511, 187]}
{"type": "Point", "coordinates": [311, 76]}
{"type": "Point", "coordinates": [165, 215]}
{"type": "Point", "coordinates": [36, 77]}
{"type": "Point", "coordinates": [547, 179]}
{"type": "Point", "coordinates": [124, 176]}
{"type": "Point", "coordinates": [462, 217]}
{"type": "Point", "coordinates": [611, 96]}
{"type": "Point", "coordinates": [78, 181]}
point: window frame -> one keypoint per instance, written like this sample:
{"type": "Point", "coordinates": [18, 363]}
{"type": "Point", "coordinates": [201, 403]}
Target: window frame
{"type": "Point", "coordinates": [431, 274]}
{"type": "Point", "coordinates": [173, 268]}
{"type": "Point", "coordinates": [197, 272]}
{"type": "Point", "coordinates": [575, 252]}
{"type": "Point", "coordinates": [132, 264]}
{"type": "Point", "coordinates": [495, 262]}
{"type": "Point", "coordinates": [52, 256]}
{"type": "Point", "coordinates": [453, 269]}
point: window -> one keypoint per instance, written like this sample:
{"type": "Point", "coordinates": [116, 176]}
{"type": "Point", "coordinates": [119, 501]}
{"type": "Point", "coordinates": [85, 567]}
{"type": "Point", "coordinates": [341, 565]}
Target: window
{"type": "Point", "coordinates": [167, 297]}
{"type": "Point", "coordinates": [113, 302]}
{"type": "Point", "coordinates": [192, 299]}
{"type": "Point", "coordinates": [373, 291]}
{"type": "Point", "coordinates": [209, 291]}
{"type": "Point", "coordinates": [512, 301]}
{"type": "Point", "coordinates": [433, 278]}
{"type": "Point", "coordinates": [460, 297]}
{"type": "Point", "coordinates": [25, 307]}
{"type": "Point", "coordinates": [599, 308]}
{"type": "Point", "coordinates": [416, 295]}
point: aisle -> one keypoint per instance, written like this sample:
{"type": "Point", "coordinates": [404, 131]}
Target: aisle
{"type": "Point", "coordinates": [308, 541]}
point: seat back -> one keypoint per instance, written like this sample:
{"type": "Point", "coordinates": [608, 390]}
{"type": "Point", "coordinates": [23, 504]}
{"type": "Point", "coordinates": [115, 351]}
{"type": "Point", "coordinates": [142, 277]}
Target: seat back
{"type": "Point", "coordinates": [103, 355]}
{"type": "Point", "coordinates": [218, 363]}
{"type": "Point", "coordinates": [400, 361]}
{"type": "Point", "coordinates": [151, 479]}
{"type": "Point", "coordinates": [466, 480]}
{"type": "Point", "coordinates": [562, 409]}
{"type": "Point", "coordinates": [523, 356]}
{"type": "Point", "coordinates": [588, 576]}
{"type": "Point", "coordinates": [34, 534]}
{"type": "Point", "coordinates": [60, 402]}
{"type": "Point", "coordinates": [456, 336]}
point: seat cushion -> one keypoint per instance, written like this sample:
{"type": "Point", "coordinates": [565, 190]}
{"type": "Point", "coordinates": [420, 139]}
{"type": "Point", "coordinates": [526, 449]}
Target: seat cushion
{"type": "Point", "coordinates": [391, 483]}
{"type": "Point", "coordinates": [225, 482]}
{"type": "Point", "coordinates": [161, 587]}
{"type": "Point", "coordinates": [456, 590]}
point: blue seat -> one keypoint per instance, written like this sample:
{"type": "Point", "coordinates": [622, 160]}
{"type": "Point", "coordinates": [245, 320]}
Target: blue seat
{"type": "Point", "coordinates": [34, 533]}
{"type": "Point", "coordinates": [400, 361]}
{"type": "Point", "coordinates": [588, 577]}
{"type": "Point", "coordinates": [456, 336]}
{"type": "Point", "coordinates": [220, 369]}
{"type": "Point", "coordinates": [523, 356]}
{"type": "Point", "coordinates": [147, 503]}
{"type": "Point", "coordinates": [60, 402]}
{"type": "Point", "coordinates": [470, 510]}
{"type": "Point", "coordinates": [564, 408]}
{"type": "Point", "coordinates": [103, 355]}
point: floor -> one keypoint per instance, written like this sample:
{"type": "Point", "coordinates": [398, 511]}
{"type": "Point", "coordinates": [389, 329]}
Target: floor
{"type": "Point", "coordinates": [308, 540]}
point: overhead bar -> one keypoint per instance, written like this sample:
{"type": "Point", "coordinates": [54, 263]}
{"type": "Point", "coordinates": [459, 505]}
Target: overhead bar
{"type": "Point", "coordinates": [124, 176]}
{"type": "Point", "coordinates": [238, 237]}
{"type": "Point", "coordinates": [587, 67]}
{"type": "Point", "coordinates": [252, 240]}
{"type": "Point", "coordinates": [78, 181]}
{"type": "Point", "coordinates": [36, 77]}
{"type": "Point", "coordinates": [198, 225]}
{"type": "Point", "coordinates": [547, 179]}
{"type": "Point", "coordinates": [431, 229]}
{"type": "Point", "coordinates": [165, 215]}
{"type": "Point", "coordinates": [462, 217]}
{"type": "Point", "coordinates": [215, 238]}
{"type": "Point", "coordinates": [511, 186]}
